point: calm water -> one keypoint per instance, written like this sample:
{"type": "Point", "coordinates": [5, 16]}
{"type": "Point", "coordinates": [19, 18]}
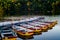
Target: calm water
{"type": "Point", "coordinates": [53, 34]}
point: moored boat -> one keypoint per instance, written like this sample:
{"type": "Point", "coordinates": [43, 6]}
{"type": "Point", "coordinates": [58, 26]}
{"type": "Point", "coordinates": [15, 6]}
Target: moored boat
{"type": "Point", "coordinates": [43, 27]}
{"type": "Point", "coordinates": [31, 27]}
{"type": "Point", "coordinates": [51, 23]}
{"type": "Point", "coordinates": [45, 24]}
{"type": "Point", "coordinates": [27, 33]}
{"type": "Point", "coordinates": [8, 35]}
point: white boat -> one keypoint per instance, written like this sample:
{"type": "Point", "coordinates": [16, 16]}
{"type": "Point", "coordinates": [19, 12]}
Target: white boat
{"type": "Point", "coordinates": [22, 31]}
{"type": "Point", "coordinates": [8, 34]}
{"type": "Point", "coordinates": [32, 27]}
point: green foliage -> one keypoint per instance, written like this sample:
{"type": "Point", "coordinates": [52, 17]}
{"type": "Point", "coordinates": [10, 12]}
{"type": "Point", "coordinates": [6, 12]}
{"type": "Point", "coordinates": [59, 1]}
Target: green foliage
{"type": "Point", "coordinates": [24, 7]}
{"type": "Point", "coordinates": [1, 12]}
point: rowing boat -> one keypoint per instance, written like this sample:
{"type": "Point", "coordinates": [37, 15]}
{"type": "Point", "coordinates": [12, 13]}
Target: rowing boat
{"type": "Point", "coordinates": [8, 34]}
{"type": "Point", "coordinates": [23, 31]}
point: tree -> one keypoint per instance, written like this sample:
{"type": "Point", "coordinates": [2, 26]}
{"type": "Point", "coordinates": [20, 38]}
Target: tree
{"type": "Point", "coordinates": [1, 12]}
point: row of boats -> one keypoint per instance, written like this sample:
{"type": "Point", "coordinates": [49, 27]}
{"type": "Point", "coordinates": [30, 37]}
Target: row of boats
{"type": "Point", "coordinates": [25, 29]}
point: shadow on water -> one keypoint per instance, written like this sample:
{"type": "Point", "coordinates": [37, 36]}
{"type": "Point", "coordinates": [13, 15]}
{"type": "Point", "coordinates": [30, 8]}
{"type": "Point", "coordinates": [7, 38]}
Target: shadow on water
{"type": "Point", "coordinates": [23, 37]}
{"type": "Point", "coordinates": [37, 34]}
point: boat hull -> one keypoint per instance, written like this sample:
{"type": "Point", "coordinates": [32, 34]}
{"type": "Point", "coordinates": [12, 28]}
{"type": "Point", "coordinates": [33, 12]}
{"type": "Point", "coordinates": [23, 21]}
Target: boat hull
{"type": "Point", "coordinates": [6, 38]}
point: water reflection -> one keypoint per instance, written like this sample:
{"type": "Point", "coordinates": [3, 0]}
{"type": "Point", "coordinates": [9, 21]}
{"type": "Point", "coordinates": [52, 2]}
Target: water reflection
{"type": "Point", "coordinates": [26, 37]}
{"type": "Point", "coordinates": [35, 35]}
{"type": "Point", "coordinates": [51, 34]}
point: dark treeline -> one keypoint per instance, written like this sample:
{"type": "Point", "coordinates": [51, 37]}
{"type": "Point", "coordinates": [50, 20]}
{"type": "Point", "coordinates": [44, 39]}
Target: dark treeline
{"type": "Point", "coordinates": [29, 7]}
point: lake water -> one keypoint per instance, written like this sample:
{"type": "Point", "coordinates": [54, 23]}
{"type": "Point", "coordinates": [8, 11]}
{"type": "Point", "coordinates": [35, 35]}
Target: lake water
{"type": "Point", "coordinates": [53, 34]}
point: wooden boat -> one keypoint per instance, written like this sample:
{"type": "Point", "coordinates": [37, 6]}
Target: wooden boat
{"type": "Point", "coordinates": [52, 23]}
{"type": "Point", "coordinates": [26, 33]}
{"type": "Point", "coordinates": [36, 29]}
{"type": "Point", "coordinates": [43, 27]}
{"type": "Point", "coordinates": [6, 27]}
{"type": "Point", "coordinates": [43, 23]}
{"type": "Point", "coordinates": [49, 23]}
{"type": "Point", "coordinates": [8, 34]}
